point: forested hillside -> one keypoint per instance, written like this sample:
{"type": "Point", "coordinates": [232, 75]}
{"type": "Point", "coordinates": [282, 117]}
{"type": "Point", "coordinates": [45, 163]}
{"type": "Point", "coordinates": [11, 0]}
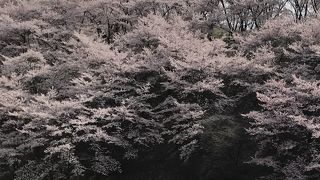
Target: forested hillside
{"type": "Point", "coordinates": [159, 89]}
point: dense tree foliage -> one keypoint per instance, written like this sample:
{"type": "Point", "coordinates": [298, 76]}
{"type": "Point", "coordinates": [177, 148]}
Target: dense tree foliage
{"type": "Point", "coordinates": [159, 89]}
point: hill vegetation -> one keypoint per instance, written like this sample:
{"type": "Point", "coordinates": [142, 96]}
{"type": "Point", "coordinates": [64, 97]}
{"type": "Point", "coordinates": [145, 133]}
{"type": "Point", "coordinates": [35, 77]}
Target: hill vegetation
{"type": "Point", "coordinates": [159, 89]}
